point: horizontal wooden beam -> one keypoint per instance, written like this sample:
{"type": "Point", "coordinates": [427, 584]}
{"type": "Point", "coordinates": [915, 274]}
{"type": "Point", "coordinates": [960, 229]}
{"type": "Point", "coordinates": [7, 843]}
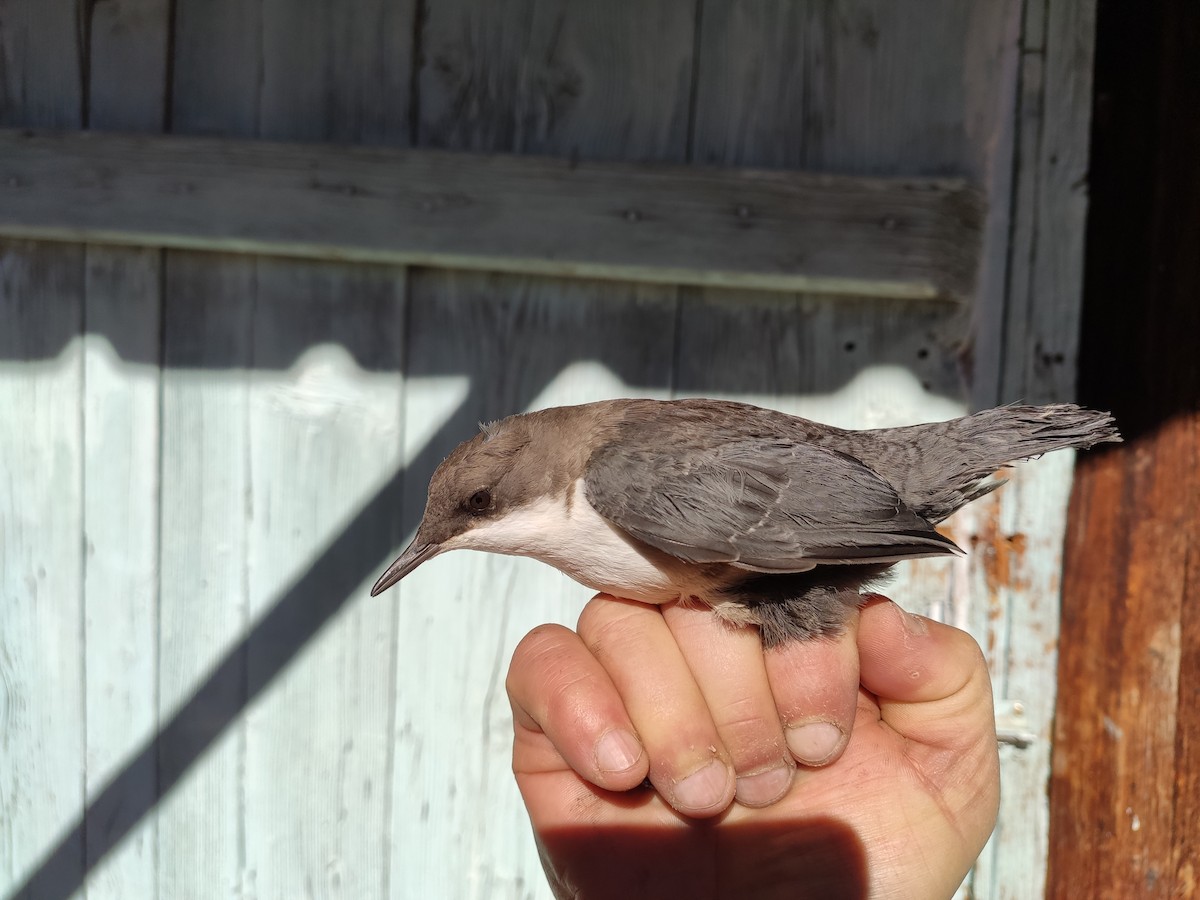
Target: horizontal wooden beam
{"type": "Point", "coordinates": [776, 230]}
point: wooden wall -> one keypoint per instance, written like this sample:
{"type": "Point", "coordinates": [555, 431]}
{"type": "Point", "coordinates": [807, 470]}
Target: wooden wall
{"type": "Point", "coordinates": [1125, 788]}
{"type": "Point", "coordinates": [207, 458]}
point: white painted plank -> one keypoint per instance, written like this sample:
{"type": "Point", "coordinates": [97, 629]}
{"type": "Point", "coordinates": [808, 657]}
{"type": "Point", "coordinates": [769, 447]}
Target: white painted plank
{"type": "Point", "coordinates": [321, 437]}
{"type": "Point", "coordinates": [906, 238]}
{"type": "Point", "coordinates": [41, 659]}
{"type": "Point", "coordinates": [209, 304]}
{"type": "Point", "coordinates": [324, 437]}
{"type": "Point", "coordinates": [458, 826]}
{"type": "Point", "coordinates": [41, 471]}
{"type": "Point", "coordinates": [127, 83]}
{"type": "Point", "coordinates": [121, 491]}
{"type": "Point", "coordinates": [208, 310]}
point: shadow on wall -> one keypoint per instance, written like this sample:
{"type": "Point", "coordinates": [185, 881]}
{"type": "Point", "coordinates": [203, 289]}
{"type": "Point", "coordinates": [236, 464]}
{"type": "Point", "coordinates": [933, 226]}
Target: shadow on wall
{"type": "Point", "coordinates": [510, 338]}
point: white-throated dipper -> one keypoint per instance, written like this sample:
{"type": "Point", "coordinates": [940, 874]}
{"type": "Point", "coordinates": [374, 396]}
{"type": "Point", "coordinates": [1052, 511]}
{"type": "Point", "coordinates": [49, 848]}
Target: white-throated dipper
{"type": "Point", "coordinates": [769, 519]}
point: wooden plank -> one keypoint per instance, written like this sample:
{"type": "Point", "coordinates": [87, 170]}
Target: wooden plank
{"type": "Point", "coordinates": [908, 238]}
{"type": "Point", "coordinates": [40, 79]}
{"type": "Point", "coordinates": [863, 87]}
{"type": "Point", "coordinates": [334, 71]}
{"type": "Point", "coordinates": [127, 64]}
{"type": "Point", "coordinates": [121, 490]}
{"type": "Point", "coordinates": [41, 516]}
{"type": "Point", "coordinates": [1037, 352]}
{"type": "Point", "coordinates": [127, 84]}
{"type": "Point", "coordinates": [519, 77]}
{"type": "Point", "coordinates": [323, 437]}
{"type": "Point", "coordinates": [204, 595]}
{"type": "Point", "coordinates": [1041, 338]}
{"type": "Point", "coordinates": [1125, 790]}
{"type": "Point", "coordinates": [41, 654]}
{"type": "Point", "coordinates": [320, 437]}
{"type": "Point", "coordinates": [856, 363]}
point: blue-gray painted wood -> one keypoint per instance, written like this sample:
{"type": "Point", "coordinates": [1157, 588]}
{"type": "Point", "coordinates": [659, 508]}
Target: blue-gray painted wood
{"type": "Point", "coordinates": [121, 532]}
{"type": "Point", "coordinates": [42, 716]}
{"type": "Point", "coordinates": [203, 594]}
{"type": "Point", "coordinates": [323, 397]}
{"type": "Point", "coordinates": [127, 85]}
{"type": "Point", "coordinates": [314, 742]}
{"type": "Point", "coordinates": [41, 566]}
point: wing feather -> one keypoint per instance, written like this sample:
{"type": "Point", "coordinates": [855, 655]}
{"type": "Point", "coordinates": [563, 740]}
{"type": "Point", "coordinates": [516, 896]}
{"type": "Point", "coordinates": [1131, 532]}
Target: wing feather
{"type": "Point", "coordinates": [760, 503]}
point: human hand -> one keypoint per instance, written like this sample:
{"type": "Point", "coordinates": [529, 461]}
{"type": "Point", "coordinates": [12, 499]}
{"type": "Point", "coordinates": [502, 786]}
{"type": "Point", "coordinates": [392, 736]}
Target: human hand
{"type": "Point", "coordinates": [903, 802]}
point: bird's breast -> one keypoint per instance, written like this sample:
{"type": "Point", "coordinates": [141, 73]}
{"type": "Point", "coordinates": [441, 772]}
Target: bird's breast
{"type": "Point", "coordinates": [566, 532]}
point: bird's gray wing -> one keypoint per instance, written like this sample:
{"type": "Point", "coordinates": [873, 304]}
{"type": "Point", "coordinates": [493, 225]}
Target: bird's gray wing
{"type": "Point", "coordinates": [760, 504]}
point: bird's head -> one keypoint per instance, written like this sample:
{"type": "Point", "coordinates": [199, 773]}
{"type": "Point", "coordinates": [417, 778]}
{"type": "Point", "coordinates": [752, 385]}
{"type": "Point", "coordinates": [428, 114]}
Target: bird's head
{"type": "Point", "coordinates": [476, 485]}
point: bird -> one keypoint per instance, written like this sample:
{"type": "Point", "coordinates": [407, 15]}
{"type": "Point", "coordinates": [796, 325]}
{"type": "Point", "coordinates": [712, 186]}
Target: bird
{"type": "Point", "coordinates": [767, 519]}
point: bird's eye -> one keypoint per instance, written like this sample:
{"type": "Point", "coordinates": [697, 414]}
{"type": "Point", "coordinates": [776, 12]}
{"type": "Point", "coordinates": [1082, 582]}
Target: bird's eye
{"type": "Point", "coordinates": [479, 501]}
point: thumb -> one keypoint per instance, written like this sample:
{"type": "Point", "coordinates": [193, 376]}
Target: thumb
{"type": "Point", "coordinates": [930, 679]}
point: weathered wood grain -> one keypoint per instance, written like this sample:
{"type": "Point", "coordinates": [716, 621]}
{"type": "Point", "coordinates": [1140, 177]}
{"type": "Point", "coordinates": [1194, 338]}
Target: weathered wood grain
{"type": "Point", "coordinates": [529, 77]}
{"type": "Point", "coordinates": [1041, 338]}
{"type": "Point", "coordinates": [334, 71]}
{"type": "Point", "coordinates": [326, 397]}
{"type": "Point", "coordinates": [120, 409]}
{"type": "Point", "coordinates": [319, 435]}
{"type": "Point", "coordinates": [1125, 789]}
{"type": "Point", "coordinates": [204, 604]}
{"type": "Point", "coordinates": [42, 728]}
{"type": "Point", "coordinates": [127, 49]}
{"type": "Point", "coordinates": [862, 87]}
{"type": "Point", "coordinates": [324, 434]}
{"type": "Point", "coordinates": [40, 83]}
{"type": "Point", "coordinates": [41, 516]}
{"type": "Point", "coordinates": [780, 230]}
{"type": "Point", "coordinates": [127, 45]}
{"type": "Point", "coordinates": [1037, 364]}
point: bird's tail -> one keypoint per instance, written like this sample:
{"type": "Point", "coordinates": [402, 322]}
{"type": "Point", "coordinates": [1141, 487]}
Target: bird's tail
{"type": "Point", "coordinates": [957, 459]}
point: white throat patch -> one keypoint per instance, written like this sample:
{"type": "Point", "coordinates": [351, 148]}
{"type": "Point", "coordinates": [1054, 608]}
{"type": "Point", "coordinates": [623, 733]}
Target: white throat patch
{"type": "Point", "coordinates": [576, 540]}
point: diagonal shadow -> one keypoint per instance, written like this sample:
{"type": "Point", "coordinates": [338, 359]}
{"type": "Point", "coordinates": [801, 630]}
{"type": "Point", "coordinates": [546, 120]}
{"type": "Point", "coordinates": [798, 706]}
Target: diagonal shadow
{"type": "Point", "coordinates": [163, 761]}
{"type": "Point", "coordinates": [274, 641]}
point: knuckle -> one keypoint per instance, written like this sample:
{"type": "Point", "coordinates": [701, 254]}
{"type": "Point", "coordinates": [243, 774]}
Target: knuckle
{"type": "Point", "coordinates": [544, 648]}
{"type": "Point", "coordinates": [607, 626]}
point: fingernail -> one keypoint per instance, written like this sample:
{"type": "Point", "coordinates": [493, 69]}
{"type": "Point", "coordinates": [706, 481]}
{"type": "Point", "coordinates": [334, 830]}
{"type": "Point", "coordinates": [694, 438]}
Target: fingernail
{"type": "Point", "coordinates": [617, 751]}
{"type": "Point", "coordinates": [764, 788]}
{"type": "Point", "coordinates": [705, 788]}
{"type": "Point", "coordinates": [814, 742]}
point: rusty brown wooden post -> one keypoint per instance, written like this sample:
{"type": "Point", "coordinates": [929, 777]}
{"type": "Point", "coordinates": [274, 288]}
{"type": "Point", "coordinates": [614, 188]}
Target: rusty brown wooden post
{"type": "Point", "coordinates": [1125, 788]}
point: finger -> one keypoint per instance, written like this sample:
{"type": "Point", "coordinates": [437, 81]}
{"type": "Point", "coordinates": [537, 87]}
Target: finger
{"type": "Point", "coordinates": [727, 663]}
{"type": "Point", "coordinates": [932, 687]}
{"type": "Point", "coordinates": [815, 685]}
{"type": "Point", "coordinates": [689, 765]}
{"type": "Point", "coordinates": [567, 712]}
{"type": "Point", "coordinates": [931, 679]}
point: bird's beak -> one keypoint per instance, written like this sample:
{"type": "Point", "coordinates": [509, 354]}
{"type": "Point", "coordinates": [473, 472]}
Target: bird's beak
{"type": "Point", "coordinates": [415, 554]}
